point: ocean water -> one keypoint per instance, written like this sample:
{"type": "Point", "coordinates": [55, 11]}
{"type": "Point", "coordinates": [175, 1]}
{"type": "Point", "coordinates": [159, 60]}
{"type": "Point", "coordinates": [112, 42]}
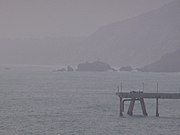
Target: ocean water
{"type": "Point", "coordinates": [39, 101]}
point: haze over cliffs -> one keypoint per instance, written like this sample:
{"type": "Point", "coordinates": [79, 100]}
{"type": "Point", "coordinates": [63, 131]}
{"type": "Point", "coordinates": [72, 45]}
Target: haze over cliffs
{"type": "Point", "coordinates": [140, 40]}
{"type": "Point", "coordinates": [137, 42]}
{"type": "Point", "coordinates": [170, 62]}
{"type": "Point", "coordinates": [44, 51]}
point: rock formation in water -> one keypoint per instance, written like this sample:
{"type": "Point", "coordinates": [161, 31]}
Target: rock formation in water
{"type": "Point", "coordinates": [127, 68]}
{"type": "Point", "coordinates": [94, 66]}
{"type": "Point", "coordinates": [69, 68]}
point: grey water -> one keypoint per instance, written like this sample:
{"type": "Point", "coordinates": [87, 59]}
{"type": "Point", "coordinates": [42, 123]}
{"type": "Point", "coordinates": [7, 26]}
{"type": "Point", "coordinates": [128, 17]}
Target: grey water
{"type": "Point", "coordinates": [39, 101]}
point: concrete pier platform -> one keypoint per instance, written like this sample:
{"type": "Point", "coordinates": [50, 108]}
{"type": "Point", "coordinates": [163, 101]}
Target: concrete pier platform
{"type": "Point", "coordinates": [139, 95]}
{"type": "Point", "coordinates": [134, 94]}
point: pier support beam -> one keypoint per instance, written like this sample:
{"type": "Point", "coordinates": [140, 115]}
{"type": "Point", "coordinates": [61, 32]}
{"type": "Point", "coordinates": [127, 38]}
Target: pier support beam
{"type": "Point", "coordinates": [143, 106]}
{"type": "Point", "coordinates": [157, 107]}
{"type": "Point", "coordinates": [131, 107]}
{"type": "Point", "coordinates": [121, 107]}
{"type": "Point", "coordinates": [133, 96]}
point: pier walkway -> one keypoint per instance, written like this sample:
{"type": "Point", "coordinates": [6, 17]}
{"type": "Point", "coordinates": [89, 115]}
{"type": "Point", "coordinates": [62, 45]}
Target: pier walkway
{"type": "Point", "coordinates": [139, 95]}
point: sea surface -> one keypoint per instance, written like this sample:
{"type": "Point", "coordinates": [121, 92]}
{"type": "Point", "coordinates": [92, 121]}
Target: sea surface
{"type": "Point", "coordinates": [41, 101]}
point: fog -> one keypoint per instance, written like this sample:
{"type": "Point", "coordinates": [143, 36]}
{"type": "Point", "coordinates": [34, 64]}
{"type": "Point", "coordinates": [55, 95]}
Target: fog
{"type": "Point", "coordinates": [67, 67]}
{"type": "Point", "coordinates": [67, 32]}
{"type": "Point", "coordinates": [40, 18]}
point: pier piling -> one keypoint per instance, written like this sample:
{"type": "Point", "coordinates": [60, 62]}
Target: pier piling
{"type": "Point", "coordinates": [131, 107]}
{"type": "Point", "coordinates": [133, 96]}
{"type": "Point", "coordinates": [143, 106]}
{"type": "Point", "coordinates": [121, 107]}
{"type": "Point", "coordinates": [157, 109]}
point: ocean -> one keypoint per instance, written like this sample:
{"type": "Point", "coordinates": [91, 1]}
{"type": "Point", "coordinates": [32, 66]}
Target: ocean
{"type": "Point", "coordinates": [40, 101]}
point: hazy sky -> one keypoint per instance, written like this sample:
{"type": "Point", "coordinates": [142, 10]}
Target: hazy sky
{"type": "Point", "coordinates": [24, 18]}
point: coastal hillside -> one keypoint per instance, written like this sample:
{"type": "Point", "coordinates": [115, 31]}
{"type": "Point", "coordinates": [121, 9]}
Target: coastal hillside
{"type": "Point", "coordinates": [139, 40]}
{"type": "Point", "coordinates": [168, 63]}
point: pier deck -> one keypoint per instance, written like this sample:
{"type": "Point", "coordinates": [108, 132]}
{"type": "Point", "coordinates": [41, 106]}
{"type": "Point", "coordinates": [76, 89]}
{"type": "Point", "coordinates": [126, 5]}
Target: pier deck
{"type": "Point", "coordinates": [138, 95]}
{"type": "Point", "coordinates": [148, 95]}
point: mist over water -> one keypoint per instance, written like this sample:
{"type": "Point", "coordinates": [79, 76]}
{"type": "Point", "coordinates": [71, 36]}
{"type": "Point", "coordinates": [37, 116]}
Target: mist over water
{"type": "Point", "coordinates": [118, 32]}
{"type": "Point", "coordinates": [46, 44]}
{"type": "Point", "coordinates": [39, 101]}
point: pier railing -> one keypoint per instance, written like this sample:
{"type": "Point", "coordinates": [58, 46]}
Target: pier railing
{"type": "Point", "coordinates": [140, 95]}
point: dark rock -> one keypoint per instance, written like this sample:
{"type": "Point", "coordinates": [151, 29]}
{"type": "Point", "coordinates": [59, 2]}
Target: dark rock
{"type": "Point", "coordinates": [69, 68]}
{"type": "Point", "coordinates": [127, 68]}
{"type": "Point", "coordinates": [94, 66]}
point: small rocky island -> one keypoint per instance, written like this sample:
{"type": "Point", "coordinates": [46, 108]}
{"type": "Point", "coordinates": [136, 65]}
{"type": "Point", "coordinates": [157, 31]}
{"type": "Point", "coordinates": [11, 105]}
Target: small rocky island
{"type": "Point", "coordinates": [96, 66]}
{"type": "Point", "coordinates": [127, 68]}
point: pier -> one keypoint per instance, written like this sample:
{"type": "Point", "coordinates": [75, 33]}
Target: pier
{"type": "Point", "coordinates": [140, 96]}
